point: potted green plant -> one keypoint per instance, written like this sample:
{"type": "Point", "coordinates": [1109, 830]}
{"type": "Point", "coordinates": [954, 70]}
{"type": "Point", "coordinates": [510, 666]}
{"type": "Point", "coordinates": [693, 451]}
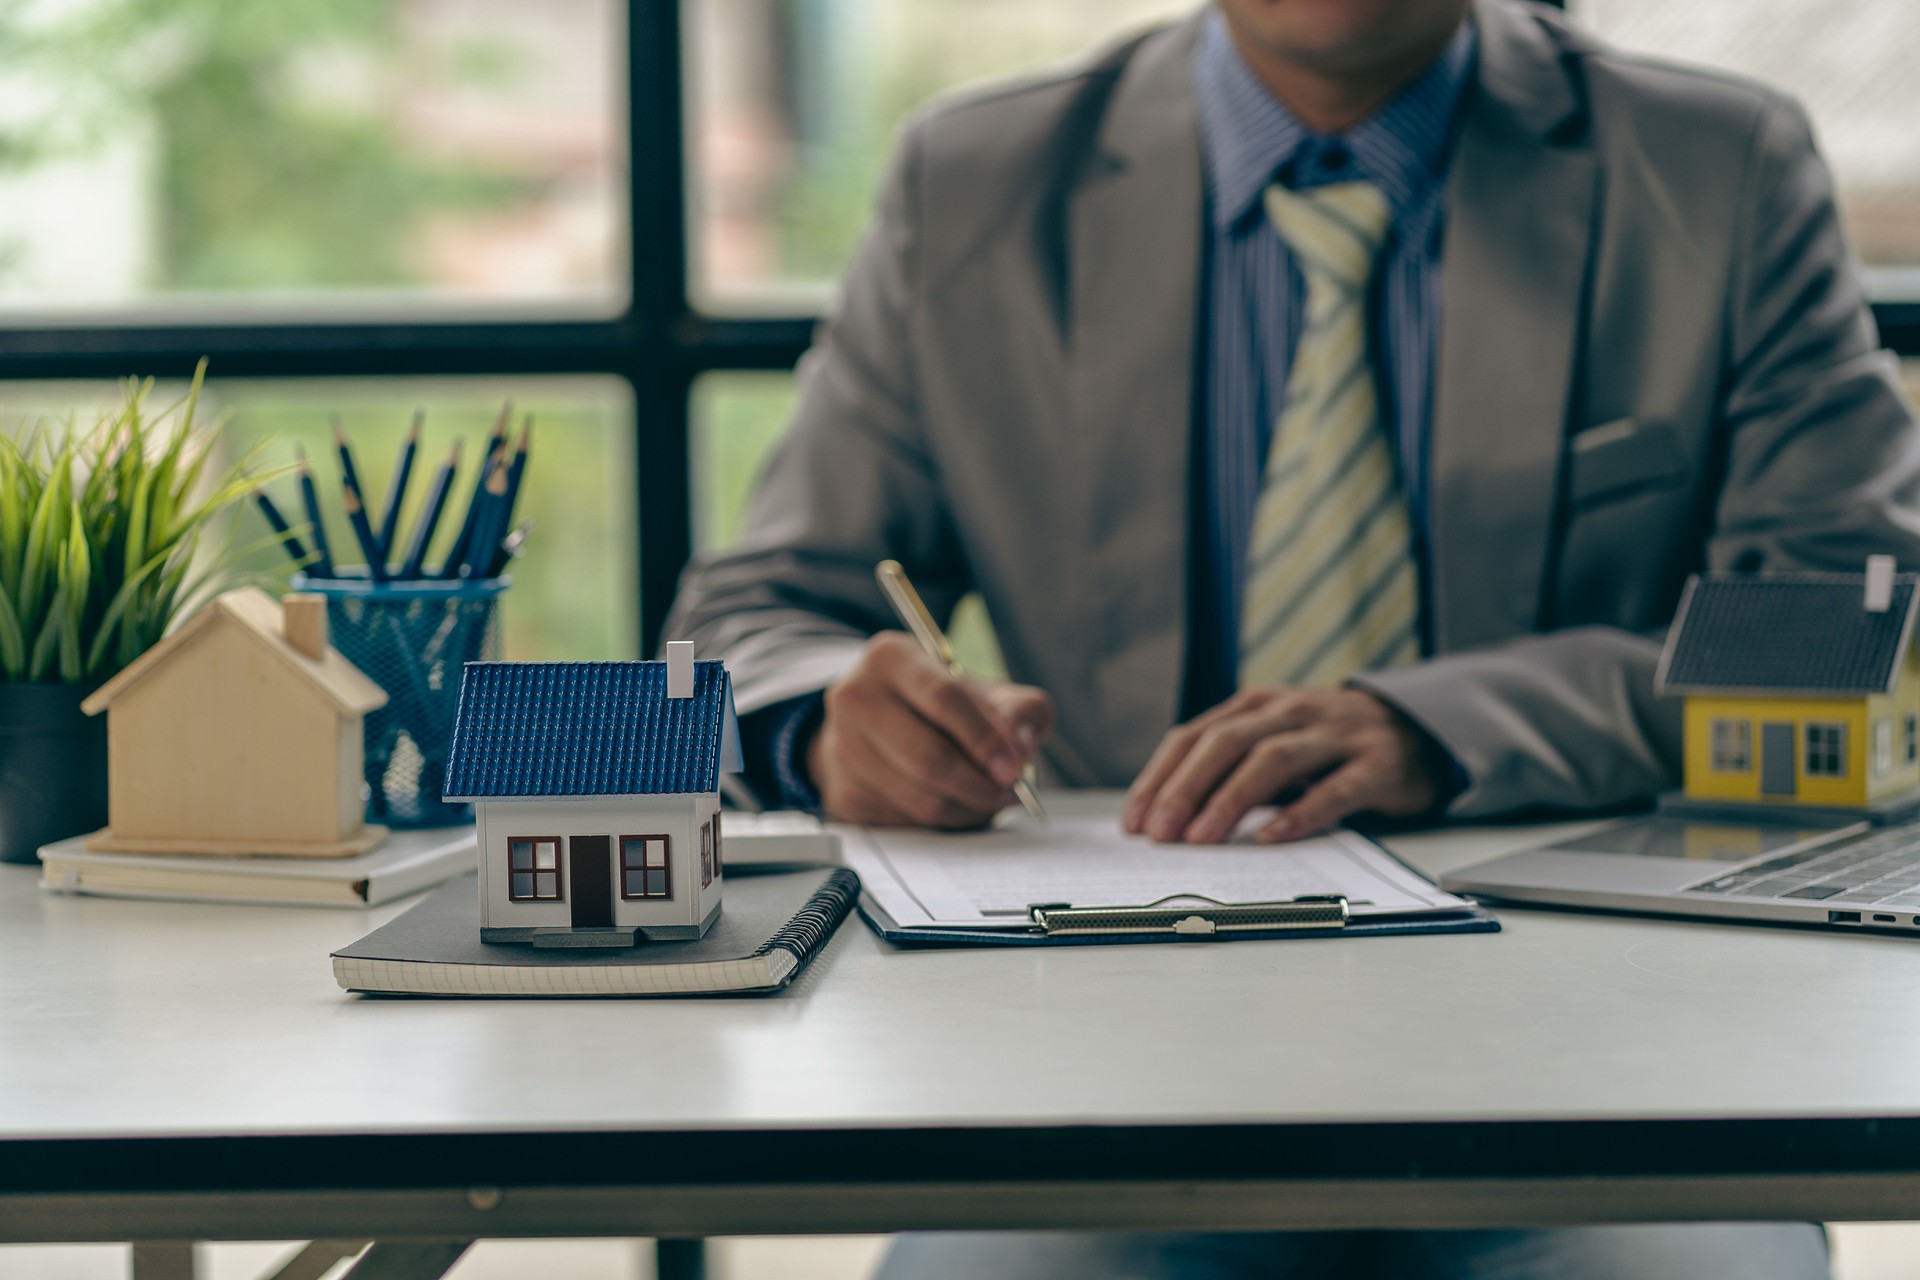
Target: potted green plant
{"type": "Point", "coordinates": [105, 540]}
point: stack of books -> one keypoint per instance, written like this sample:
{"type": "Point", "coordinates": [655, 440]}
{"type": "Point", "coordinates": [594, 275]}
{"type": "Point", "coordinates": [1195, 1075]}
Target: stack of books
{"type": "Point", "coordinates": [407, 862]}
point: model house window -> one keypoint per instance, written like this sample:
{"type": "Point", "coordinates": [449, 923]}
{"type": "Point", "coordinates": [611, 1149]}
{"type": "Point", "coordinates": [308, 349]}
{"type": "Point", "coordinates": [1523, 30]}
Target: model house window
{"type": "Point", "coordinates": [644, 872]}
{"type": "Point", "coordinates": [706, 854]}
{"type": "Point", "coordinates": [534, 863]}
{"type": "Point", "coordinates": [1910, 730]}
{"type": "Point", "coordinates": [718, 869]}
{"type": "Point", "coordinates": [1826, 749]}
{"type": "Point", "coordinates": [1882, 747]}
{"type": "Point", "coordinates": [1732, 746]}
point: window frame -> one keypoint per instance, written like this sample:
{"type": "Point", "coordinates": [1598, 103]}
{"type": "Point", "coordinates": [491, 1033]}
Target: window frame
{"type": "Point", "coordinates": [1730, 757]}
{"type": "Point", "coordinates": [559, 870]}
{"type": "Point", "coordinates": [660, 345]}
{"type": "Point", "coordinates": [1830, 750]}
{"type": "Point", "coordinates": [666, 866]}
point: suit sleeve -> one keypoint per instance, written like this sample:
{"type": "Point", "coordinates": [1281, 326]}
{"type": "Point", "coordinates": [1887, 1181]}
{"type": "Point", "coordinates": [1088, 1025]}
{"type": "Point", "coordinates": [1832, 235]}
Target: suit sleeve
{"type": "Point", "coordinates": [852, 482]}
{"type": "Point", "coordinates": [1821, 466]}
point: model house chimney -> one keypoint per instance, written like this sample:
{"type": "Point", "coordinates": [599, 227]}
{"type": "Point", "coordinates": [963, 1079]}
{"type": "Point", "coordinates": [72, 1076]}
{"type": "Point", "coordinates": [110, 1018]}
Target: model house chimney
{"type": "Point", "coordinates": [303, 621]}
{"type": "Point", "coordinates": [1879, 583]}
{"type": "Point", "coordinates": [679, 668]}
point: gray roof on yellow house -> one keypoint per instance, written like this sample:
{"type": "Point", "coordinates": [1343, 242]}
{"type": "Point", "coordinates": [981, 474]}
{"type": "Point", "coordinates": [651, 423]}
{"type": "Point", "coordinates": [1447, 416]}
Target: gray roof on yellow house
{"type": "Point", "coordinates": [1787, 634]}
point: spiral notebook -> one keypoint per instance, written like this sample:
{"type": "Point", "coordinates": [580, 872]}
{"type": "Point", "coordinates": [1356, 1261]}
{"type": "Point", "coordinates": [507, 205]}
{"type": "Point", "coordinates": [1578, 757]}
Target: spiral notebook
{"type": "Point", "coordinates": [769, 928]}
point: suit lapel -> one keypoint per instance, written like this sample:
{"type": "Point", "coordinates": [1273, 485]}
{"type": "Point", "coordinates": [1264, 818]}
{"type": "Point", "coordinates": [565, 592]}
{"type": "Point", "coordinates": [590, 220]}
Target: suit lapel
{"type": "Point", "coordinates": [1134, 250]}
{"type": "Point", "coordinates": [1520, 211]}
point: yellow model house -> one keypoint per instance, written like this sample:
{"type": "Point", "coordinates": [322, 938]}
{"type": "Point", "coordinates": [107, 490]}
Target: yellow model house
{"type": "Point", "coordinates": [1802, 690]}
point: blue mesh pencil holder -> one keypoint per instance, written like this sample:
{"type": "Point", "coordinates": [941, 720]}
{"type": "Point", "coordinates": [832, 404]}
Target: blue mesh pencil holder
{"type": "Point", "coordinates": [412, 639]}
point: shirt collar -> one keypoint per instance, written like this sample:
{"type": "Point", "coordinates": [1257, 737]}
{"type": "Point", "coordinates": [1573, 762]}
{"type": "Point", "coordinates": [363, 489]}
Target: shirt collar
{"type": "Point", "coordinates": [1247, 137]}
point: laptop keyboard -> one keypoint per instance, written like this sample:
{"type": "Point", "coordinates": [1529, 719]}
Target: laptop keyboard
{"type": "Point", "coordinates": [1881, 868]}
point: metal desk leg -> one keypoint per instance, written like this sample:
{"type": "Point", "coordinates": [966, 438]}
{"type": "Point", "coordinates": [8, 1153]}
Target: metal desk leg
{"type": "Point", "coordinates": [408, 1260]}
{"type": "Point", "coordinates": [680, 1259]}
{"type": "Point", "coordinates": [316, 1259]}
{"type": "Point", "coordinates": [163, 1260]}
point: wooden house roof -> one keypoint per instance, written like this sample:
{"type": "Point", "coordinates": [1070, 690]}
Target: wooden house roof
{"type": "Point", "coordinates": [1779, 635]}
{"type": "Point", "coordinates": [258, 615]}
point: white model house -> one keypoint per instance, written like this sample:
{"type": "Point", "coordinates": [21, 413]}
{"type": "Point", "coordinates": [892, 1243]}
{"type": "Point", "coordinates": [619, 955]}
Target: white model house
{"type": "Point", "coordinates": [597, 790]}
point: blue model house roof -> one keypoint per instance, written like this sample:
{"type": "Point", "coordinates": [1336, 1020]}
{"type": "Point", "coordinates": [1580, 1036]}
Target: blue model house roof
{"type": "Point", "coordinates": [527, 729]}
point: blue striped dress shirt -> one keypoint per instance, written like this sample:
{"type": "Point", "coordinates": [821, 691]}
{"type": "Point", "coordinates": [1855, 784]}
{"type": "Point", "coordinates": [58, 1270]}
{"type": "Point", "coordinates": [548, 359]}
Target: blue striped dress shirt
{"type": "Point", "coordinates": [1254, 298]}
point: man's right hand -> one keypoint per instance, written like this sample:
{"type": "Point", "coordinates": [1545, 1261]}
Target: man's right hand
{"type": "Point", "coordinates": [905, 743]}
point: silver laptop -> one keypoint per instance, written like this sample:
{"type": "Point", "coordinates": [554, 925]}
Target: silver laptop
{"type": "Point", "coordinates": [1853, 877]}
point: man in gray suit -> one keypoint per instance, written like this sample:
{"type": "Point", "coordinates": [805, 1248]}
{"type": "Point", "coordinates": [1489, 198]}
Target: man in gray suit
{"type": "Point", "coordinates": [1329, 401]}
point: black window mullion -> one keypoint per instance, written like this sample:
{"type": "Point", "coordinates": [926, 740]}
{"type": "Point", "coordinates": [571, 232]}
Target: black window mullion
{"type": "Point", "coordinates": [659, 250]}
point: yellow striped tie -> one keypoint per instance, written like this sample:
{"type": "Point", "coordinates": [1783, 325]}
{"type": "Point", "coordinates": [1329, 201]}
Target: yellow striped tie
{"type": "Point", "coordinates": [1332, 588]}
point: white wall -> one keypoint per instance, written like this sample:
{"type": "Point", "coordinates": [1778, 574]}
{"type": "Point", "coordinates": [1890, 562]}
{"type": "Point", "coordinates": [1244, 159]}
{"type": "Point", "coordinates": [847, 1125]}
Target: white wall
{"type": "Point", "coordinates": [679, 817]}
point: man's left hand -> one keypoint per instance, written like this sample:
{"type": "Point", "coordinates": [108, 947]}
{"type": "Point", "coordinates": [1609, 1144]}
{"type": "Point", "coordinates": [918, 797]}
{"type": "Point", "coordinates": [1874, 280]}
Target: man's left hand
{"type": "Point", "coordinates": [1346, 751]}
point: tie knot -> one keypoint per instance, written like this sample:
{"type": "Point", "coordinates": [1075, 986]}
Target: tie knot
{"type": "Point", "coordinates": [1335, 231]}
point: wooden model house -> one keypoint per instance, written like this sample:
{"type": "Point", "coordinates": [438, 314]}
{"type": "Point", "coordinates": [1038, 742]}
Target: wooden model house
{"type": "Point", "coordinates": [239, 733]}
{"type": "Point", "coordinates": [597, 790]}
{"type": "Point", "coordinates": [1802, 691]}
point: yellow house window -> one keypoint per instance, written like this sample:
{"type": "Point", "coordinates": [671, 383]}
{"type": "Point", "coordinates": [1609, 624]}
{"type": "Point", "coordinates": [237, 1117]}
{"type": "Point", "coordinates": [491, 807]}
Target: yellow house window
{"type": "Point", "coordinates": [1910, 731]}
{"type": "Point", "coordinates": [1882, 747]}
{"type": "Point", "coordinates": [1732, 745]}
{"type": "Point", "coordinates": [1826, 749]}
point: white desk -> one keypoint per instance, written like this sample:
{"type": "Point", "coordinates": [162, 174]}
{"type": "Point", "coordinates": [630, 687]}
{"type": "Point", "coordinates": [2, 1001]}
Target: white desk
{"type": "Point", "coordinates": [173, 1070]}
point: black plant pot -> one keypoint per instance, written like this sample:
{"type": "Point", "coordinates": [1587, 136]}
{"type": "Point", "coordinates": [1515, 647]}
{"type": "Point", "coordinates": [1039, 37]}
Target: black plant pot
{"type": "Point", "coordinates": [53, 767]}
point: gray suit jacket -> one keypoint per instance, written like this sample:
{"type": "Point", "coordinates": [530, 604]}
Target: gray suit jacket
{"type": "Point", "coordinates": [1654, 356]}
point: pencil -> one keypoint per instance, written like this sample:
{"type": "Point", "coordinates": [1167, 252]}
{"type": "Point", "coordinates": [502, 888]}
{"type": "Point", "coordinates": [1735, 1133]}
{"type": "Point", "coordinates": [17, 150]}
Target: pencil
{"type": "Point", "coordinates": [363, 532]}
{"type": "Point", "coordinates": [397, 490]}
{"type": "Point", "coordinates": [913, 612]}
{"type": "Point", "coordinates": [515, 470]}
{"type": "Point", "coordinates": [490, 526]}
{"type": "Point", "coordinates": [414, 565]}
{"type": "Point", "coordinates": [349, 474]}
{"type": "Point", "coordinates": [296, 552]}
{"type": "Point", "coordinates": [496, 446]}
{"type": "Point", "coordinates": [322, 558]}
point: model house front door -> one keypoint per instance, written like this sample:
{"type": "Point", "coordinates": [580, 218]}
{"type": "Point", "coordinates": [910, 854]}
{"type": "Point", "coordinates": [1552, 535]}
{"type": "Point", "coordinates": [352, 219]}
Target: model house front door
{"type": "Point", "coordinates": [1776, 760]}
{"type": "Point", "coordinates": [590, 867]}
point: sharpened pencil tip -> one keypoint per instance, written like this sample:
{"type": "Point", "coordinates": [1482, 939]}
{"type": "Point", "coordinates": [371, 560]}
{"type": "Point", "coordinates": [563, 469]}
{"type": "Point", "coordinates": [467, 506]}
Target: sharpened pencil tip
{"type": "Point", "coordinates": [419, 421]}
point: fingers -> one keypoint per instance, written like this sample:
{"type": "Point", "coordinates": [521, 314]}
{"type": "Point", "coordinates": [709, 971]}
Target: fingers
{"type": "Point", "coordinates": [1353, 787]}
{"type": "Point", "coordinates": [1195, 758]}
{"type": "Point", "coordinates": [1028, 710]}
{"type": "Point", "coordinates": [902, 740]}
{"type": "Point", "coordinates": [958, 708]}
{"type": "Point", "coordinates": [1271, 766]}
{"type": "Point", "coordinates": [893, 741]}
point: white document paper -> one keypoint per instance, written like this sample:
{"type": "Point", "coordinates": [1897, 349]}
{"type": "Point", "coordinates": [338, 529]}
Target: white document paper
{"type": "Point", "coordinates": [989, 879]}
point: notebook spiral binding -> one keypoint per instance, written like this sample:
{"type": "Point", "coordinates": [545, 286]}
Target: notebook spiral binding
{"type": "Point", "coordinates": [814, 923]}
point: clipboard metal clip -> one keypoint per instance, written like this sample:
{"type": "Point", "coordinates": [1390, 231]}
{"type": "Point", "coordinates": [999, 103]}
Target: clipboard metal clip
{"type": "Point", "coordinates": [1208, 917]}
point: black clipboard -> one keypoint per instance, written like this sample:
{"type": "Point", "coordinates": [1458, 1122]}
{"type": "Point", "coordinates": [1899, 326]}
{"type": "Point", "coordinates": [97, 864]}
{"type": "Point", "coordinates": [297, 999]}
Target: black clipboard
{"type": "Point", "coordinates": [1186, 918]}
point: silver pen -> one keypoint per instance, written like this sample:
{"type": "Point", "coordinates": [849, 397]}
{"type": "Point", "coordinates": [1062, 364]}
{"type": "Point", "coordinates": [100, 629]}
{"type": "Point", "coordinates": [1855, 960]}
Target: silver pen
{"type": "Point", "coordinates": [913, 612]}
